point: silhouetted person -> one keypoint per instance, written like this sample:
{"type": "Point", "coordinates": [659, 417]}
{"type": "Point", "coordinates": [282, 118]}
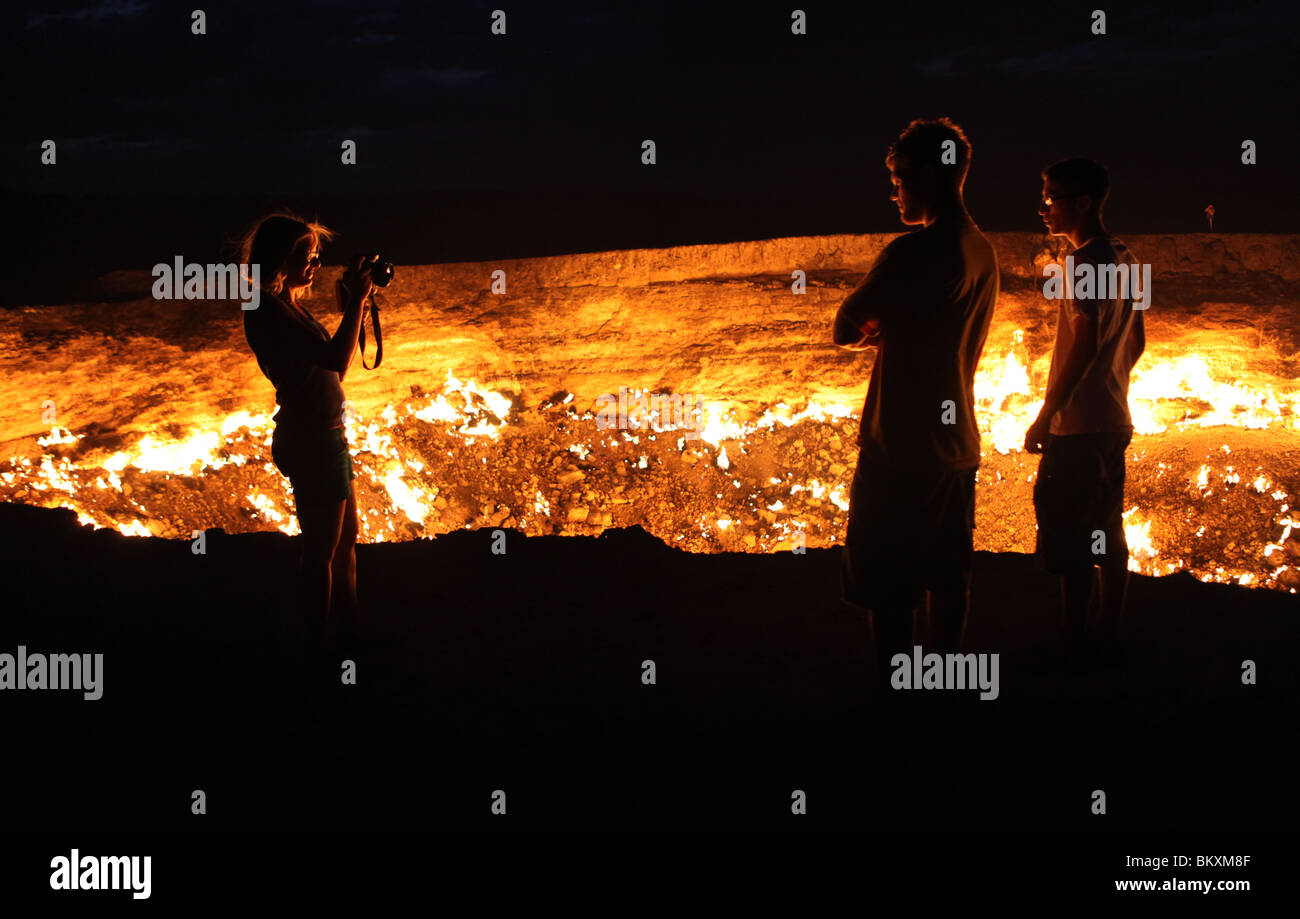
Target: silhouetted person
{"type": "Point", "coordinates": [1085, 426]}
{"type": "Point", "coordinates": [309, 446]}
{"type": "Point", "coordinates": [925, 305]}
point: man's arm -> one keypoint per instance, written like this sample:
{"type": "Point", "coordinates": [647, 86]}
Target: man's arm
{"type": "Point", "coordinates": [1137, 338]}
{"type": "Point", "coordinates": [860, 318]}
{"type": "Point", "coordinates": [853, 333]}
{"type": "Point", "coordinates": [1082, 353]}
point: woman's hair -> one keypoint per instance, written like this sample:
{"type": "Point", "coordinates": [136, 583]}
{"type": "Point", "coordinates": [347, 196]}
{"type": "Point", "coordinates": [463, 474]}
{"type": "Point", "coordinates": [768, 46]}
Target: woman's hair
{"type": "Point", "coordinates": [271, 241]}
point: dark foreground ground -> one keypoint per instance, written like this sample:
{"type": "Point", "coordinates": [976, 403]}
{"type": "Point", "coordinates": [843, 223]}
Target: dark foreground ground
{"type": "Point", "coordinates": [522, 673]}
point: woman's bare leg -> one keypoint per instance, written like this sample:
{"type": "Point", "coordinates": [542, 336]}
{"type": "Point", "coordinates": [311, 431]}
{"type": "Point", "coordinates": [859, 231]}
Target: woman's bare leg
{"type": "Point", "coordinates": [343, 566]}
{"type": "Point", "coordinates": [321, 525]}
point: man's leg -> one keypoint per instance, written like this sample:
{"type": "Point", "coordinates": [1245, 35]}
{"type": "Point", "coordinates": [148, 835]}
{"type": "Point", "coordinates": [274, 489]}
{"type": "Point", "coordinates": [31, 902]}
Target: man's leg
{"type": "Point", "coordinates": [891, 633]}
{"type": "Point", "coordinates": [1114, 588]}
{"type": "Point", "coordinates": [1064, 495]}
{"type": "Point", "coordinates": [949, 610]}
{"type": "Point", "coordinates": [1076, 592]}
{"type": "Point", "coordinates": [868, 570]}
{"type": "Point", "coordinates": [1114, 567]}
{"type": "Point", "coordinates": [949, 587]}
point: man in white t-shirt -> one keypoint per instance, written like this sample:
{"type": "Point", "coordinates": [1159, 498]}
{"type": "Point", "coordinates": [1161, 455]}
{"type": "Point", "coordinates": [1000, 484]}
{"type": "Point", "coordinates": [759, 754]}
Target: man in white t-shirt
{"type": "Point", "coordinates": [1085, 426]}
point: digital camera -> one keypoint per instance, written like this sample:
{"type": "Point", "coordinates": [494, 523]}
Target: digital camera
{"type": "Point", "coordinates": [381, 271]}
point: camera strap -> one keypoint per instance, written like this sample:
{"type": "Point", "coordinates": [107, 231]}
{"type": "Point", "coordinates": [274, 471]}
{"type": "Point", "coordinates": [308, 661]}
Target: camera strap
{"type": "Point", "coordinates": [379, 338]}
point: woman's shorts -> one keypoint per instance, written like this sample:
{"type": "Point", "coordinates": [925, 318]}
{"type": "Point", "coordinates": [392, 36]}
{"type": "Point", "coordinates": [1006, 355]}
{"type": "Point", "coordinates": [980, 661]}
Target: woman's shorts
{"type": "Point", "coordinates": [317, 464]}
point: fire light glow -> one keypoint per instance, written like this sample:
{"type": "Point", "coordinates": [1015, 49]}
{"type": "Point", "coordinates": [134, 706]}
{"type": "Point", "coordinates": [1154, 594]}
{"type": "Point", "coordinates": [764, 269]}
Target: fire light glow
{"type": "Point", "coordinates": [753, 480]}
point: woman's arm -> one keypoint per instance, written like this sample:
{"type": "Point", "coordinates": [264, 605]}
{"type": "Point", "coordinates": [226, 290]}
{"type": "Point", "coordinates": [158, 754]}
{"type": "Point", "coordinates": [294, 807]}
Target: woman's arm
{"type": "Point", "coordinates": [353, 290]}
{"type": "Point", "coordinates": [365, 309]}
{"type": "Point", "coordinates": [277, 336]}
{"type": "Point", "coordinates": [344, 343]}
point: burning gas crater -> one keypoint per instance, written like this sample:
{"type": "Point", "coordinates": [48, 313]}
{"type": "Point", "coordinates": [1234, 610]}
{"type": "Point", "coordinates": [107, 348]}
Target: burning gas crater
{"type": "Point", "coordinates": [1212, 474]}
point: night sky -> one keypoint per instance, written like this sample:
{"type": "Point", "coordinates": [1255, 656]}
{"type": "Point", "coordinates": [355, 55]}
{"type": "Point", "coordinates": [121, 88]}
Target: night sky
{"type": "Point", "coordinates": [759, 132]}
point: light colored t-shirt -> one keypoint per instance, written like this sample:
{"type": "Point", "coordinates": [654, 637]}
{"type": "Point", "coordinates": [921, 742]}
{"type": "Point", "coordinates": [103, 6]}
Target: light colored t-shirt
{"type": "Point", "coordinates": [1100, 402]}
{"type": "Point", "coordinates": [292, 350]}
{"type": "Point", "coordinates": [933, 292]}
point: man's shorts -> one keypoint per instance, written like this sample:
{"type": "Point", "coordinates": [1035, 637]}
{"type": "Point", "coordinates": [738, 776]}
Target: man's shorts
{"type": "Point", "coordinates": [1078, 498]}
{"type": "Point", "coordinates": [908, 532]}
{"type": "Point", "coordinates": [317, 464]}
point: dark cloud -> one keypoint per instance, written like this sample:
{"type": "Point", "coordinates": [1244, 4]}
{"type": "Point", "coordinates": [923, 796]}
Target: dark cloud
{"type": "Point", "coordinates": [734, 101]}
{"type": "Point", "coordinates": [1145, 47]}
{"type": "Point", "coordinates": [109, 9]}
{"type": "Point", "coordinates": [426, 77]}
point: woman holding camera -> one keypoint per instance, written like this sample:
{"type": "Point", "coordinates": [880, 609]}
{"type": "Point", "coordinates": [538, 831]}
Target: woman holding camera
{"type": "Point", "coordinates": [309, 445]}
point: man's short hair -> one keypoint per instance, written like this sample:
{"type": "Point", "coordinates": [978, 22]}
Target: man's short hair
{"type": "Point", "coordinates": [1079, 175]}
{"type": "Point", "coordinates": [922, 144]}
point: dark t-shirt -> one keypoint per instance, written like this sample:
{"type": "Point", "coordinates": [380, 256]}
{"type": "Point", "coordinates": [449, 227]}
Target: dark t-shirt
{"type": "Point", "coordinates": [933, 292]}
{"type": "Point", "coordinates": [292, 350]}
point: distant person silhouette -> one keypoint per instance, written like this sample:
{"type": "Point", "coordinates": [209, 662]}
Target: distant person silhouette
{"type": "Point", "coordinates": [309, 446]}
{"type": "Point", "coordinates": [1085, 426]}
{"type": "Point", "coordinates": [925, 305]}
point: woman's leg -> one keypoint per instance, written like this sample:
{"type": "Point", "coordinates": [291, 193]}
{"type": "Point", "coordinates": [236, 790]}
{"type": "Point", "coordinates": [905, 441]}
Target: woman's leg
{"type": "Point", "coordinates": [343, 567]}
{"type": "Point", "coordinates": [321, 523]}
